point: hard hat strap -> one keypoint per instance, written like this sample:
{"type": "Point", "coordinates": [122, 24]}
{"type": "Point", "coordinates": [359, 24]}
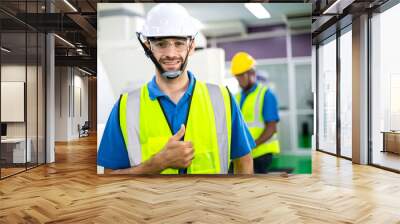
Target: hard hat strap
{"type": "Point", "coordinates": [149, 54]}
{"type": "Point", "coordinates": [167, 74]}
{"type": "Point", "coordinates": [175, 74]}
{"type": "Point", "coordinates": [183, 66]}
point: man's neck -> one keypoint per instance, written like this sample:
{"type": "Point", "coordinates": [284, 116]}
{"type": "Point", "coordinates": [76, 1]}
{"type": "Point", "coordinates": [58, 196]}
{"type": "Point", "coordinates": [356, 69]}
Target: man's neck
{"type": "Point", "coordinates": [173, 88]}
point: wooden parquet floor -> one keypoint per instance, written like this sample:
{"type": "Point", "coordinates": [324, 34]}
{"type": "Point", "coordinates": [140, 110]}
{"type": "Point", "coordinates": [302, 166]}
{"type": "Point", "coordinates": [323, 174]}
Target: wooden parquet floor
{"type": "Point", "coordinates": [70, 191]}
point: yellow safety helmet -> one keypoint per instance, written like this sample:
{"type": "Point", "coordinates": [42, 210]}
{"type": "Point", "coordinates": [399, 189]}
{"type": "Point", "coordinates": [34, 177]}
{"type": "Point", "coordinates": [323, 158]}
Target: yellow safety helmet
{"type": "Point", "coordinates": [242, 62]}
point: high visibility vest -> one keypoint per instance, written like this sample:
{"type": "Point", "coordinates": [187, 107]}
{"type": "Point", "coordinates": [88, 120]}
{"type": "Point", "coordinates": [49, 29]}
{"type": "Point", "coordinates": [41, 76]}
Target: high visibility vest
{"type": "Point", "coordinates": [145, 128]}
{"type": "Point", "coordinates": [252, 113]}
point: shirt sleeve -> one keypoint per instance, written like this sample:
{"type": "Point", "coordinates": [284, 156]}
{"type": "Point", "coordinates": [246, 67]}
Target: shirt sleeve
{"type": "Point", "coordinates": [112, 152]}
{"type": "Point", "coordinates": [270, 107]}
{"type": "Point", "coordinates": [241, 140]}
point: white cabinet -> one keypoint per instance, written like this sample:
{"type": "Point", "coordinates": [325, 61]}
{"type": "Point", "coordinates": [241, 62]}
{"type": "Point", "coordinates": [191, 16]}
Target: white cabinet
{"type": "Point", "coordinates": [18, 149]}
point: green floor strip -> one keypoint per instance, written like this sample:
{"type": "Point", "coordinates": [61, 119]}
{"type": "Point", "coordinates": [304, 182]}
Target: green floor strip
{"type": "Point", "coordinates": [299, 164]}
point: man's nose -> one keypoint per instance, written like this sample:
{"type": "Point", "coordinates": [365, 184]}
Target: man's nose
{"type": "Point", "coordinates": [170, 51]}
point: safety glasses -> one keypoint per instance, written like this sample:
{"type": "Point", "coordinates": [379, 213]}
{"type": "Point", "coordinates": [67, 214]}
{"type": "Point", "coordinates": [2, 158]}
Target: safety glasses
{"type": "Point", "coordinates": [163, 45]}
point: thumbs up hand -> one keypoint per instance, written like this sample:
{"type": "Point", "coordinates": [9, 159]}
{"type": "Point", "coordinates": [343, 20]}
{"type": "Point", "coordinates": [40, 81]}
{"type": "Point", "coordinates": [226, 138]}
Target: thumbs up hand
{"type": "Point", "coordinates": [178, 135]}
{"type": "Point", "coordinates": [176, 153]}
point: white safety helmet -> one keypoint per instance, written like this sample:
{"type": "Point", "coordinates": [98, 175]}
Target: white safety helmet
{"type": "Point", "coordinates": [200, 41]}
{"type": "Point", "coordinates": [169, 19]}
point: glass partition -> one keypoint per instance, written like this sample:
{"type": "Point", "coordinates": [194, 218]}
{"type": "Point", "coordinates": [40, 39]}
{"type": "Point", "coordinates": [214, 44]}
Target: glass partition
{"type": "Point", "coordinates": [13, 104]}
{"type": "Point", "coordinates": [385, 89]}
{"type": "Point", "coordinates": [327, 96]}
{"type": "Point", "coordinates": [22, 88]}
{"type": "Point", "coordinates": [346, 93]}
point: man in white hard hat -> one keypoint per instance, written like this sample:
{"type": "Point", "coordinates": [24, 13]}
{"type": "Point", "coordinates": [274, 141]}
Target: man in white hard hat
{"type": "Point", "coordinates": [174, 124]}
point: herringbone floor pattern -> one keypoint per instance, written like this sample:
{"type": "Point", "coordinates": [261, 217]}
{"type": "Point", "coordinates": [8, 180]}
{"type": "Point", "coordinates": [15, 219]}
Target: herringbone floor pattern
{"type": "Point", "coordinates": [70, 191]}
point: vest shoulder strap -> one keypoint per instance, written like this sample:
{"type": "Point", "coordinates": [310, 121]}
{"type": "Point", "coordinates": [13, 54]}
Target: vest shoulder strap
{"type": "Point", "coordinates": [130, 102]}
{"type": "Point", "coordinates": [221, 102]}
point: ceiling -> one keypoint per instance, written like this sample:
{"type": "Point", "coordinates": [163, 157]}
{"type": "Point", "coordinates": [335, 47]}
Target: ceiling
{"type": "Point", "coordinates": [80, 27]}
{"type": "Point", "coordinates": [219, 19]}
{"type": "Point", "coordinates": [295, 15]}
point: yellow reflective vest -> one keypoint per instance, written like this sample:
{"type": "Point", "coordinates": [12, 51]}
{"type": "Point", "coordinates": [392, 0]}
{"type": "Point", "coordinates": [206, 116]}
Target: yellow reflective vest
{"type": "Point", "coordinates": [145, 128]}
{"type": "Point", "coordinates": [252, 114]}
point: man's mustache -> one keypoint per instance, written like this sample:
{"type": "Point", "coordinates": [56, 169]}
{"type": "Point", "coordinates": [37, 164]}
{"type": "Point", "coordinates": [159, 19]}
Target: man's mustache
{"type": "Point", "coordinates": [180, 59]}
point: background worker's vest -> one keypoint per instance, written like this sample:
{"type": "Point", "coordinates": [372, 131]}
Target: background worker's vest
{"type": "Point", "coordinates": [252, 113]}
{"type": "Point", "coordinates": [146, 131]}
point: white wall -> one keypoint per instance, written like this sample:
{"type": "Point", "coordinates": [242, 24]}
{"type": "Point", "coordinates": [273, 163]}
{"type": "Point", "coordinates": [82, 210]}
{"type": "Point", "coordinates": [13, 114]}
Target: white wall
{"type": "Point", "coordinates": [12, 73]}
{"type": "Point", "coordinates": [68, 99]}
{"type": "Point", "coordinates": [33, 126]}
{"type": "Point", "coordinates": [80, 102]}
{"type": "Point", "coordinates": [61, 103]}
{"type": "Point", "coordinates": [12, 100]}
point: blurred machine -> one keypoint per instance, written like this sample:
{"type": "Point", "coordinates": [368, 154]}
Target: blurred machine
{"type": "Point", "coordinates": [208, 65]}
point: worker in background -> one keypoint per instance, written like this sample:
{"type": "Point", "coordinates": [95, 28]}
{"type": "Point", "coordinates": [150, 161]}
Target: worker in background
{"type": "Point", "coordinates": [174, 124]}
{"type": "Point", "coordinates": [260, 111]}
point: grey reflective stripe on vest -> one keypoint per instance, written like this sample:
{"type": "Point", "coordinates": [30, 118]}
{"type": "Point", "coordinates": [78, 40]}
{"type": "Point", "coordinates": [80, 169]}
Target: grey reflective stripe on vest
{"type": "Point", "coordinates": [132, 120]}
{"type": "Point", "coordinates": [257, 123]}
{"type": "Point", "coordinates": [218, 104]}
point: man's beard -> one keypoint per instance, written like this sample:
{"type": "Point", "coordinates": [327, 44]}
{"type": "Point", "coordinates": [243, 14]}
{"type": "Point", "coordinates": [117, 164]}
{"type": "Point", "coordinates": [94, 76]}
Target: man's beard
{"type": "Point", "coordinates": [166, 59]}
{"type": "Point", "coordinates": [248, 86]}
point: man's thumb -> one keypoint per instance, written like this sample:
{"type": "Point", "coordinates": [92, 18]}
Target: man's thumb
{"type": "Point", "coordinates": [178, 135]}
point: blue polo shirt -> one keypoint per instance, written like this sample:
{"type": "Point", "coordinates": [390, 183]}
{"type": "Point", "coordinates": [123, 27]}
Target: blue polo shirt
{"type": "Point", "coordinates": [113, 154]}
{"type": "Point", "coordinates": [270, 104]}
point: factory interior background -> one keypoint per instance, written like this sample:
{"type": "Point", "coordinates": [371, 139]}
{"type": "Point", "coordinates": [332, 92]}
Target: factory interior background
{"type": "Point", "coordinates": [283, 58]}
{"type": "Point", "coordinates": [331, 63]}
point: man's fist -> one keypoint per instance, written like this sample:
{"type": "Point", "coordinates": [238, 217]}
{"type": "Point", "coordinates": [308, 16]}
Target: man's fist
{"type": "Point", "coordinates": [176, 153]}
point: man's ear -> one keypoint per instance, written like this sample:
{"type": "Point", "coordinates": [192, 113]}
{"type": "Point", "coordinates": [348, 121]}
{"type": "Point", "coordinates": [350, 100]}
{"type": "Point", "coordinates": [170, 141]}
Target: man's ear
{"type": "Point", "coordinates": [252, 75]}
{"type": "Point", "coordinates": [192, 48]}
{"type": "Point", "coordinates": [252, 72]}
{"type": "Point", "coordinates": [147, 44]}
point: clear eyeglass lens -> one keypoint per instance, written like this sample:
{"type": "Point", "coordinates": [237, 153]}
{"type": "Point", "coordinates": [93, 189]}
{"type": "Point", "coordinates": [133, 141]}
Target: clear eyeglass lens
{"type": "Point", "coordinates": [162, 45]}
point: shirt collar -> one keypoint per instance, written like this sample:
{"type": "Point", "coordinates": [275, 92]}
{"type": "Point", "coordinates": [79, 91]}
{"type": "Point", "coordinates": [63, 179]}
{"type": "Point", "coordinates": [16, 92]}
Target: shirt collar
{"type": "Point", "coordinates": [250, 90]}
{"type": "Point", "coordinates": [155, 92]}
